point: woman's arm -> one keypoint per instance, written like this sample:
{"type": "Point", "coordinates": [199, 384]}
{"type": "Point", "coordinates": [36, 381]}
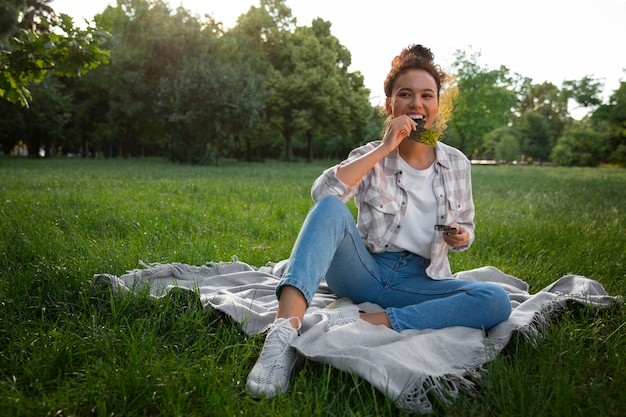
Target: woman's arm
{"type": "Point", "coordinates": [351, 172]}
{"type": "Point", "coordinates": [397, 129]}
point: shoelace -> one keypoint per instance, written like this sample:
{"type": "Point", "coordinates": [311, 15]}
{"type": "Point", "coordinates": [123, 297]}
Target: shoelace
{"type": "Point", "coordinates": [284, 335]}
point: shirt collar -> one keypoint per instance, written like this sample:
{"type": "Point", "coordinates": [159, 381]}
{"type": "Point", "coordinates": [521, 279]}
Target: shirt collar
{"type": "Point", "coordinates": [441, 155]}
{"type": "Point", "coordinates": [392, 164]}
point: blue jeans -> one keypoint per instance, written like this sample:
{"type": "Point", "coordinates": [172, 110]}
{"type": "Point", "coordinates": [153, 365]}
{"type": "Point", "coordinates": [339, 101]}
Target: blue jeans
{"type": "Point", "coordinates": [329, 246]}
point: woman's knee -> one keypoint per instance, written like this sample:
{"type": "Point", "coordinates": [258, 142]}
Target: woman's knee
{"type": "Point", "coordinates": [330, 202]}
{"type": "Point", "coordinates": [331, 207]}
{"type": "Point", "coordinates": [499, 304]}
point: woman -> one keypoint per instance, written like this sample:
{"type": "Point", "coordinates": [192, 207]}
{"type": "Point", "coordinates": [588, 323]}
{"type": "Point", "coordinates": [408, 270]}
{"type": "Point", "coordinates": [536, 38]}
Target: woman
{"type": "Point", "coordinates": [392, 255]}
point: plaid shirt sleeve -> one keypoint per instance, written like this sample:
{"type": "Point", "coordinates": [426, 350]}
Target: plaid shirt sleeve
{"type": "Point", "coordinates": [328, 183]}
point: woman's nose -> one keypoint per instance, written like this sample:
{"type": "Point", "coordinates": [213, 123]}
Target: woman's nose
{"type": "Point", "coordinates": [416, 103]}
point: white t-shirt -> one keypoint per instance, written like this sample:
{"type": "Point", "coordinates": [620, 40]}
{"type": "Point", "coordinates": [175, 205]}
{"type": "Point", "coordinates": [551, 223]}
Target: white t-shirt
{"type": "Point", "coordinates": [416, 233]}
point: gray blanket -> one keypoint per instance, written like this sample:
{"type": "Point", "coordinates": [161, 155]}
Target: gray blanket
{"type": "Point", "coordinates": [410, 367]}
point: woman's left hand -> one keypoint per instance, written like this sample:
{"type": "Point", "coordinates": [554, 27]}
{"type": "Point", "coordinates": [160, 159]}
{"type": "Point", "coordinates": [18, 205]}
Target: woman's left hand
{"type": "Point", "coordinates": [458, 239]}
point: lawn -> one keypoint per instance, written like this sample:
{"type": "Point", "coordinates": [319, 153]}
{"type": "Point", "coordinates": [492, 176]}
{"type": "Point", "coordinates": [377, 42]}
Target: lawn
{"type": "Point", "coordinates": [69, 348]}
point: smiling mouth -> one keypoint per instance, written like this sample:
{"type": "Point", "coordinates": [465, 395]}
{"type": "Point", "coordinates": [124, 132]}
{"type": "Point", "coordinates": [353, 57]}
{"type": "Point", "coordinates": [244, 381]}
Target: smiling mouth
{"type": "Point", "coordinates": [419, 120]}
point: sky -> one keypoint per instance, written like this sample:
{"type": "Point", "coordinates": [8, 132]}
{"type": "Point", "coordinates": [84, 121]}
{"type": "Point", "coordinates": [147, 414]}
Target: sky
{"type": "Point", "coordinates": [545, 40]}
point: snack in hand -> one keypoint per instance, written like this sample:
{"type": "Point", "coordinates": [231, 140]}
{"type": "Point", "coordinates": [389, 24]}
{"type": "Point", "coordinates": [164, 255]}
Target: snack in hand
{"type": "Point", "coordinates": [423, 135]}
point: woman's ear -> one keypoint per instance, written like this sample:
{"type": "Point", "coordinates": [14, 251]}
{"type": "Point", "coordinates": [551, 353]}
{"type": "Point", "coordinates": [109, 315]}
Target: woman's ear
{"type": "Point", "coordinates": [388, 107]}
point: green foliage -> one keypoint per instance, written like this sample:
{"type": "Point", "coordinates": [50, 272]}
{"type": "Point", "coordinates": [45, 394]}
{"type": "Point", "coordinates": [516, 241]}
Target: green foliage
{"type": "Point", "coordinates": [611, 118]}
{"type": "Point", "coordinates": [12, 126]}
{"type": "Point", "coordinates": [69, 347]}
{"type": "Point", "coordinates": [508, 149]}
{"type": "Point", "coordinates": [204, 102]}
{"type": "Point", "coordinates": [180, 86]}
{"type": "Point", "coordinates": [55, 44]}
{"type": "Point", "coordinates": [579, 147]}
{"type": "Point", "coordinates": [146, 44]}
{"type": "Point", "coordinates": [490, 101]}
{"type": "Point", "coordinates": [548, 101]}
{"type": "Point", "coordinates": [586, 92]}
{"type": "Point", "coordinates": [48, 115]}
{"type": "Point", "coordinates": [183, 88]}
{"type": "Point", "coordinates": [485, 101]}
{"type": "Point", "coordinates": [503, 144]}
{"type": "Point", "coordinates": [312, 92]}
{"type": "Point", "coordinates": [537, 136]}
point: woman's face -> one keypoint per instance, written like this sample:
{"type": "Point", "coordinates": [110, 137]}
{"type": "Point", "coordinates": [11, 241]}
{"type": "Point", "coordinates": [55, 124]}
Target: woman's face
{"type": "Point", "coordinates": [414, 93]}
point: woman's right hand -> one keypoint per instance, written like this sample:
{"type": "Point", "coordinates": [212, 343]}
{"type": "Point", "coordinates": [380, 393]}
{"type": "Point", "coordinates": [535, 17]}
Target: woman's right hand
{"type": "Point", "coordinates": [397, 130]}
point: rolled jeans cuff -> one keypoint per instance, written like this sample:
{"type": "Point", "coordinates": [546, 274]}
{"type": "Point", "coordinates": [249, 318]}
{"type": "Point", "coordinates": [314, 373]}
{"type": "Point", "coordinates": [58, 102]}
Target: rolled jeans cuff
{"type": "Point", "coordinates": [392, 319]}
{"type": "Point", "coordinates": [297, 284]}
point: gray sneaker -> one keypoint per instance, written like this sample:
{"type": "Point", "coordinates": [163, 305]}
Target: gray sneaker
{"type": "Point", "coordinates": [272, 371]}
{"type": "Point", "coordinates": [339, 313]}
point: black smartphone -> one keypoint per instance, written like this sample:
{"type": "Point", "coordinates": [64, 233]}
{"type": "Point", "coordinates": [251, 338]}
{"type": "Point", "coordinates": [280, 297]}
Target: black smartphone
{"type": "Point", "coordinates": [446, 228]}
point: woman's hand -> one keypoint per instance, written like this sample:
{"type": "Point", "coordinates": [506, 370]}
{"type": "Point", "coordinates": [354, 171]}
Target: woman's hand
{"type": "Point", "coordinates": [398, 128]}
{"type": "Point", "coordinates": [457, 239]}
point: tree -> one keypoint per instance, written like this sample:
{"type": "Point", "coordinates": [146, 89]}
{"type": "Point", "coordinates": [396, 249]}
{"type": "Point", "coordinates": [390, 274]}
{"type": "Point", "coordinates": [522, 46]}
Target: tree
{"type": "Point", "coordinates": [611, 119]}
{"type": "Point", "coordinates": [550, 102]}
{"type": "Point", "coordinates": [245, 97]}
{"type": "Point", "coordinates": [503, 144]}
{"type": "Point", "coordinates": [89, 131]}
{"type": "Point", "coordinates": [35, 40]}
{"type": "Point", "coordinates": [314, 95]}
{"type": "Point", "coordinates": [508, 149]}
{"type": "Point", "coordinates": [245, 49]}
{"type": "Point", "coordinates": [204, 103]}
{"type": "Point", "coordinates": [307, 79]}
{"type": "Point", "coordinates": [579, 146]}
{"type": "Point", "coordinates": [332, 99]}
{"type": "Point", "coordinates": [147, 43]}
{"type": "Point", "coordinates": [485, 101]}
{"type": "Point", "coordinates": [47, 116]}
{"type": "Point", "coordinates": [538, 138]}
{"type": "Point", "coordinates": [586, 92]}
{"type": "Point", "coordinates": [553, 104]}
{"type": "Point", "coordinates": [269, 28]}
{"type": "Point", "coordinates": [188, 105]}
{"type": "Point", "coordinates": [12, 126]}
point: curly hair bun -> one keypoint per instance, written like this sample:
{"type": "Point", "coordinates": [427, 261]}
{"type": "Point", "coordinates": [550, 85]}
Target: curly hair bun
{"type": "Point", "coordinates": [421, 51]}
{"type": "Point", "coordinates": [413, 57]}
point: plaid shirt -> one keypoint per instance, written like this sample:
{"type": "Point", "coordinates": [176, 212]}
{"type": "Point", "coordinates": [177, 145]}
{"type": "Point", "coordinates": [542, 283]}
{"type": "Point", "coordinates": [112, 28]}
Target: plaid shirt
{"type": "Point", "coordinates": [381, 199]}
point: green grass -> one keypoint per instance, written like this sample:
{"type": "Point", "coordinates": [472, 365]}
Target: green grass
{"type": "Point", "coordinates": [69, 348]}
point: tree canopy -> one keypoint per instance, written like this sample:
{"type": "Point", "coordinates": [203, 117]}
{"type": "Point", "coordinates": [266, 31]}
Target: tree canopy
{"type": "Point", "coordinates": [35, 40]}
{"type": "Point", "coordinates": [143, 79]}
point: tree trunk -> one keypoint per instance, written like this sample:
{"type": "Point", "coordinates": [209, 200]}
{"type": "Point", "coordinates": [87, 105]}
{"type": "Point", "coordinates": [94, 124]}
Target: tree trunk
{"type": "Point", "coordinates": [309, 142]}
{"type": "Point", "coordinates": [238, 150]}
{"type": "Point", "coordinates": [288, 146]}
{"type": "Point", "coordinates": [463, 143]}
{"type": "Point", "coordinates": [248, 149]}
{"type": "Point", "coordinates": [85, 147]}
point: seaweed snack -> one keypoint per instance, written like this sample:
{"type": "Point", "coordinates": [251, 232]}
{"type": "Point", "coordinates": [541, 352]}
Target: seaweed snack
{"type": "Point", "coordinates": [423, 135]}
